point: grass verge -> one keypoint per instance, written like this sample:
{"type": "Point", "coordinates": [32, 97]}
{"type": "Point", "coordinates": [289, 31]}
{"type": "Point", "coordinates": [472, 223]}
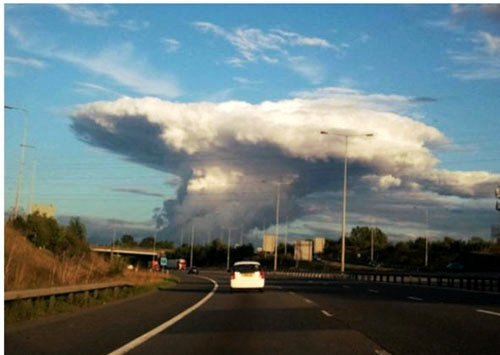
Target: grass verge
{"type": "Point", "coordinates": [24, 310]}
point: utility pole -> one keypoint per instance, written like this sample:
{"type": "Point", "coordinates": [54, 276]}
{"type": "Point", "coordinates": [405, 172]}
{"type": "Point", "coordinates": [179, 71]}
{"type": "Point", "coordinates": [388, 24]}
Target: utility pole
{"type": "Point", "coordinates": [192, 244]}
{"type": "Point", "coordinates": [277, 228]}
{"type": "Point", "coordinates": [228, 245]}
{"type": "Point", "coordinates": [241, 235]}
{"type": "Point", "coordinates": [182, 236]}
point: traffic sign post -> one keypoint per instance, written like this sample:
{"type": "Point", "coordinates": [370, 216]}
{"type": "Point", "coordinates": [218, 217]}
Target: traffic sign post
{"type": "Point", "coordinates": [163, 262]}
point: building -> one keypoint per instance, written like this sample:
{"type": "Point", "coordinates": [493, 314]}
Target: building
{"type": "Point", "coordinates": [303, 250]}
{"type": "Point", "coordinates": [44, 210]}
{"type": "Point", "coordinates": [269, 243]}
{"type": "Point", "coordinates": [319, 245]}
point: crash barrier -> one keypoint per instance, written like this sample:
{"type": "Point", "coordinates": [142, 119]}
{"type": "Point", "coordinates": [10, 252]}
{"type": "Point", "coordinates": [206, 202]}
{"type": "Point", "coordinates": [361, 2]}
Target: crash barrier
{"type": "Point", "coordinates": [467, 282]}
{"type": "Point", "coordinates": [50, 293]}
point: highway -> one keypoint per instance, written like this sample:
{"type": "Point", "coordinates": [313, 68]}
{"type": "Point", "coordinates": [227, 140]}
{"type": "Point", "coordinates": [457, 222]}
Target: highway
{"type": "Point", "coordinates": [292, 316]}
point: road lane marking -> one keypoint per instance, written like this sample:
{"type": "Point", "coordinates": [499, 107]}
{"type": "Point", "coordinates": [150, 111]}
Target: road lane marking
{"type": "Point", "coordinates": [382, 352]}
{"type": "Point", "coordinates": [326, 313]}
{"type": "Point", "coordinates": [145, 337]}
{"type": "Point", "coordinates": [488, 312]}
{"type": "Point", "coordinates": [308, 300]}
{"type": "Point", "coordinates": [414, 298]}
{"type": "Point", "coordinates": [373, 291]}
{"type": "Point", "coordinates": [291, 292]}
{"type": "Point", "coordinates": [345, 286]}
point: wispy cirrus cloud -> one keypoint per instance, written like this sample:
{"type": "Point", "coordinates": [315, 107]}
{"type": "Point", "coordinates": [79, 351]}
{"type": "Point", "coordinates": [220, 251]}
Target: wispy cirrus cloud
{"type": "Point", "coordinates": [119, 63]}
{"type": "Point", "coordinates": [254, 45]}
{"type": "Point", "coordinates": [90, 88]}
{"type": "Point", "coordinates": [171, 45]}
{"type": "Point", "coordinates": [482, 62]}
{"type": "Point", "coordinates": [245, 81]}
{"type": "Point", "coordinates": [87, 15]}
{"type": "Point", "coordinates": [29, 62]}
{"type": "Point", "coordinates": [133, 25]}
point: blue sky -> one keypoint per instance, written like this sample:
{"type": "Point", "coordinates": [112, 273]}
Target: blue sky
{"type": "Point", "coordinates": [434, 67]}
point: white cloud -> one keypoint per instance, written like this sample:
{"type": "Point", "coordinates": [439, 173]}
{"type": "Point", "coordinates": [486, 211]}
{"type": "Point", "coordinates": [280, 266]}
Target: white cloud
{"type": "Point", "coordinates": [30, 62]}
{"type": "Point", "coordinates": [171, 45]}
{"type": "Point", "coordinates": [233, 146]}
{"type": "Point", "coordinates": [87, 15]}
{"type": "Point", "coordinates": [382, 182]}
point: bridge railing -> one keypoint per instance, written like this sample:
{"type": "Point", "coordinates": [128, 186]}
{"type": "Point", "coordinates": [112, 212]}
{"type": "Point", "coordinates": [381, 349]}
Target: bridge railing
{"type": "Point", "coordinates": [467, 282]}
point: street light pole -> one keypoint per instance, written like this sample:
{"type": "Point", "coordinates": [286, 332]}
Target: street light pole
{"type": "Point", "coordinates": [21, 160]}
{"type": "Point", "coordinates": [228, 246]}
{"type": "Point", "coordinates": [344, 200]}
{"type": "Point", "coordinates": [192, 244]}
{"type": "Point", "coordinates": [277, 227]}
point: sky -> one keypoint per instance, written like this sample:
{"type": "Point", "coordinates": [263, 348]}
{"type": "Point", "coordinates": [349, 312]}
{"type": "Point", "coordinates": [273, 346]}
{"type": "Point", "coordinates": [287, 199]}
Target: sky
{"type": "Point", "coordinates": [163, 116]}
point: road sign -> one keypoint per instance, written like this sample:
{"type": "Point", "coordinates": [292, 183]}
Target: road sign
{"type": "Point", "coordinates": [163, 261]}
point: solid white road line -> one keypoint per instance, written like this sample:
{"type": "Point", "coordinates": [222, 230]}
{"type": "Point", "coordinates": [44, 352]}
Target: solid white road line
{"type": "Point", "coordinates": [145, 337]}
{"type": "Point", "coordinates": [414, 298]}
{"type": "Point", "coordinates": [326, 313]}
{"type": "Point", "coordinates": [373, 291]}
{"type": "Point", "coordinates": [488, 312]}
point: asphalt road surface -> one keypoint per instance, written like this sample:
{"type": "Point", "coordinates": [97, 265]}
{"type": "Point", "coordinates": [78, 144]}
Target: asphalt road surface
{"type": "Point", "coordinates": [292, 316]}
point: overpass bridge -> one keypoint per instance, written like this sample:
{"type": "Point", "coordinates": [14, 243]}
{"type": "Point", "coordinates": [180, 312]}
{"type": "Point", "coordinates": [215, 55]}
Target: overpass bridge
{"type": "Point", "coordinates": [136, 256]}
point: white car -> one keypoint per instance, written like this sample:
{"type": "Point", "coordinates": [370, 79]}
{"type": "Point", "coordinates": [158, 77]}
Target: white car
{"type": "Point", "coordinates": [247, 275]}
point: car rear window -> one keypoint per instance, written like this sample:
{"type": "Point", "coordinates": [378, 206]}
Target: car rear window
{"type": "Point", "coordinates": [246, 268]}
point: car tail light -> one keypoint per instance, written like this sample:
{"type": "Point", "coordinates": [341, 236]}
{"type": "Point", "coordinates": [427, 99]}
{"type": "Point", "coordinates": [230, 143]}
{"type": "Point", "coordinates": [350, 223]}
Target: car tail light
{"type": "Point", "coordinates": [262, 274]}
{"type": "Point", "coordinates": [232, 275]}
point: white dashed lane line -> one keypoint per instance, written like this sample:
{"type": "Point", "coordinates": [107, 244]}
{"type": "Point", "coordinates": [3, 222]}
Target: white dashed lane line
{"type": "Point", "coordinates": [308, 300]}
{"type": "Point", "coordinates": [414, 298]}
{"type": "Point", "coordinates": [326, 313]}
{"type": "Point", "coordinates": [488, 312]}
{"type": "Point", "coordinates": [345, 286]}
{"type": "Point", "coordinates": [373, 291]}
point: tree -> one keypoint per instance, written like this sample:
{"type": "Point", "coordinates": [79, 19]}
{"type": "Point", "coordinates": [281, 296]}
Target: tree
{"type": "Point", "coordinates": [128, 241]}
{"type": "Point", "coordinates": [147, 242]}
{"type": "Point", "coordinates": [77, 229]}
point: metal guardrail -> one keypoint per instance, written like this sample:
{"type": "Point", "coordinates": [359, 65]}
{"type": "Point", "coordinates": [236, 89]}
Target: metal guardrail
{"type": "Point", "coordinates": [69, 291]}
{"type": "Point", "coordinates": [466, 282]}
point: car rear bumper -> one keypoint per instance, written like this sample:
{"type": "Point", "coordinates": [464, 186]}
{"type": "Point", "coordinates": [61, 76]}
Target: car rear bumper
{"type": "Point", "coordinates": [236, 283]}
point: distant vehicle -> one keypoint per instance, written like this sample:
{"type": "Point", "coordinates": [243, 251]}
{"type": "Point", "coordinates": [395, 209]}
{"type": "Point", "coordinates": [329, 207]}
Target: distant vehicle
{"type": "Point", "coordinates": [193, 270]}
{"type": "Point", "coordinates": [247, 275]}
{"type": "Point", "coordinates": [455, 266]}
{"type": "Point", "coordinates": [177, 264]}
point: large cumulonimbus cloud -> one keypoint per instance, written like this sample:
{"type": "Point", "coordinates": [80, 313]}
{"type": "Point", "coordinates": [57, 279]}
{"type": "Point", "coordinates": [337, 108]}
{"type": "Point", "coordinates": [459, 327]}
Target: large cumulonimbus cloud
{"type": "Point", "coordinates": [231, 156]}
